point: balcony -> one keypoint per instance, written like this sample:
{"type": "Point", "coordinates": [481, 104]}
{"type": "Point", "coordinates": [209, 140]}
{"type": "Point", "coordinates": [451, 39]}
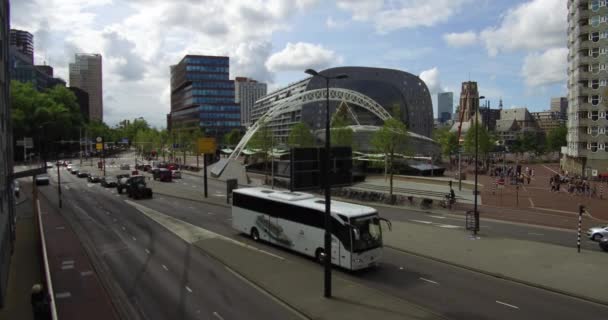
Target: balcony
{"type": "Point", "coordinates": [588, 91]}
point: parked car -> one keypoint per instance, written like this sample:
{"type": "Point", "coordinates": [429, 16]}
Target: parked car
{"type": "Point", "coordinates": [82, 174]}
{"type": "Point", "coordinates": [69, 167]}
{"type": "Point", "coordinates": [597, 233]}
{"type": "Point", "coordinates": [93, 178]}
{"type": "Point", "coordinates": [176, 174]}
{"type": "Point", "coordinates": [122, 175]}
{"type": "Point", "coordinates": [49, 164]}
{"type": "Point", "coordinates": [43, 179]}
{"type": "Point", "coordinates": [125, 166]}
{"type": "Point", "coordinates": [75, 170]}
{"type": "Point", "coordinates": [162, 174]}
{"type": "Point", "coordinates": [135, 187]}
{"type": "Point", "coordinates": [109, 182]}
{"type": "Point", "coordinates": [147, 167]}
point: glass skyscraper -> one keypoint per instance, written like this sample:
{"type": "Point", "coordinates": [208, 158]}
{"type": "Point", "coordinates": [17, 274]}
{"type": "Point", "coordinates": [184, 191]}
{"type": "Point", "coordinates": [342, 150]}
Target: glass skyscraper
{"type": "Point", "coordinates": [202, 95]}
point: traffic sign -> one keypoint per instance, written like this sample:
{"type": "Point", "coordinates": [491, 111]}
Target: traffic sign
{"type": "Point", "coordinates": [206, 145]}
{"type": "Point", "coordinates": [99, 139]}
{"type": "Point", "coordinates": [99, 146]}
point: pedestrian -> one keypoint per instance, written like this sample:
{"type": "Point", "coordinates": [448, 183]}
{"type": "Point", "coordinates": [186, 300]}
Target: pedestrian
{"type": "Point", "coordinates": [40, 303]}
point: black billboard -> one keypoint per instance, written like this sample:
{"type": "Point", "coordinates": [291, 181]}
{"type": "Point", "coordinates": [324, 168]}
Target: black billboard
{"type": "Point", "coordinates": [308, 164]}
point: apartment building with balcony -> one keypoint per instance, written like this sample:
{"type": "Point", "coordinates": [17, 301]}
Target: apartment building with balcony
{"type": "Point", "coordinates": [586, 152]}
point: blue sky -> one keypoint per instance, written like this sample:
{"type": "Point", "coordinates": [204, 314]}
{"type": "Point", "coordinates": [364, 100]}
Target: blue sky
{"type": "Point", "coordinates": [515, 50]}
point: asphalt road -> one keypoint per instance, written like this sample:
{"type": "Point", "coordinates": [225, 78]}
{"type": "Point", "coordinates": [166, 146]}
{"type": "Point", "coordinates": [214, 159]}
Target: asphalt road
{"type": "Point", "coordinates": [162, 276]}
{"type": "Point", "coordinates": [454, 292]}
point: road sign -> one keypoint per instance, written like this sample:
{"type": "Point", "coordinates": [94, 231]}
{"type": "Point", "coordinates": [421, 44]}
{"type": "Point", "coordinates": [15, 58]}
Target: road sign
{"type": "Point", "coordinates": [26, 142]}
{"type": "Point", "coordinates": [99, 139]}
{"type": "Point", "coordinates": [124, 140]}
{"type": "Point", "coordinates": [206, 145]}
{"type": "Point", "coordinates": [99, 146]}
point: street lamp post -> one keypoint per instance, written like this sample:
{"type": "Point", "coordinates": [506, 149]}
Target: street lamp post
{"type": "Point", "coordinates": [326, 174]}
{"type": "Point", "coordinates": [475, 210]}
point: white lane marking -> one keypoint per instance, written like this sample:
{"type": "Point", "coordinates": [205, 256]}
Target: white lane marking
{"type": "Point", "coordinates": [86, 273]}
{"type": "Point", "coordinates": [217, 315]}
{"type": "Point", "coordinates": [531, 202]}
{"type": "Point", "coordinates": [134, 239]}
{"type": "Point", "coordinates": [67, 187]}
{"type": "Point", "coordinates": [188, 288]}
{"type": "Point", "coordinates": [506, 304]}
{"type": "Point", "coordinates": [63, 295]}
{"type": "Point", "coordinates": [210, 213]}
{"type": "Point", "coordinates": [449, 226]}
{"type": "Point", "coordinates": [430, 281]}
{"type": "Point", "coordinates": [147, 251]}
{"type": "Point", "coordinates": [437, 217]}
{"type": "Point", "coordinates": [535, 234]}
{"type": "Point", "coordinates": [219, 195]}
{"type": "Point", "coordinates": [67, 266]}
{"type": "Point", "coordinates": [60, 228]}
{"type": "Point", "coordinates": [420, 221]}
{"type": "Point", "coordinates": [400, 268]}
{"type": "Point", "coordinates": [550, 169]}
{"type": "Point", "coordinates": [165, 267]}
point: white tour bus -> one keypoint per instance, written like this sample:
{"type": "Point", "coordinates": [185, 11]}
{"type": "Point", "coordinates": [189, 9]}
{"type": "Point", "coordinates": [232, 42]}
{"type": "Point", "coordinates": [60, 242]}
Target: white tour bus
{"type": "Point", "coordinates": [295, 220]}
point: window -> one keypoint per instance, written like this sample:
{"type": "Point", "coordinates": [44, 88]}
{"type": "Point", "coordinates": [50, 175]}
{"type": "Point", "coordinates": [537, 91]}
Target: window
{"type": "Point", "coordinates": [592, 146]}
{"type": "Point", "coordinates": [594, 84]}
{"type": "Point", "coordinates": [594, 21]}
{"type": "Point", "coordinates": [595, 68]}
{"type": "Point", "coordinates": [594, 52]}
{"type": "Point", "coordinates": [603, 83]}
{"type": "Point", "coordinates": [594, 131]}
{"type": "Point", "coordinates": [593, 115]}
{"type": "Point", "coordinates": [594, 36]}
{"type": "Point", "coordinates": [601, 130]}
{"type": "Point", "coordinates": [594, 99]}
{"type": "Point", "coordinates": [601, 146]}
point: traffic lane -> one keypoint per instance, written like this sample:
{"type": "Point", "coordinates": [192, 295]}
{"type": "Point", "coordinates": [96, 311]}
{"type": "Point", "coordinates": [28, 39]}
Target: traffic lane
{"type": "Point", "coordinates": [228, 297]}
{"type": "Point", "coordinates": [495, 228]}
{"type": "Point", "coordinates": [463, 294]}
{"type": "Point", "coordinates": [452, 291]}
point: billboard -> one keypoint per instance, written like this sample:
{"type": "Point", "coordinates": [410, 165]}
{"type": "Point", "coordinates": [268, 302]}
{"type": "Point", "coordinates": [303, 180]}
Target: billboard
{"type": "Point", "coordinates": [307, 168]}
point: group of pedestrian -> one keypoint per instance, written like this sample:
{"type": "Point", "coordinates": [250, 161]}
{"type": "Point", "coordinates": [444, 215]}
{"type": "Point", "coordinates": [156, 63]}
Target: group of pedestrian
{"type": "Point", "coordinates": [574, 185]}
{"type": "Point", "coordinates": [515, 173]}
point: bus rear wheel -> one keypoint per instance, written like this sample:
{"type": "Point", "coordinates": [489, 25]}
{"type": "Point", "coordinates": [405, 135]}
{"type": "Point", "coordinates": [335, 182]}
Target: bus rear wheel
{"type": "Point", "coordinates": [255, 235]}
{"type": "Point", "coordinates": [320, 256]}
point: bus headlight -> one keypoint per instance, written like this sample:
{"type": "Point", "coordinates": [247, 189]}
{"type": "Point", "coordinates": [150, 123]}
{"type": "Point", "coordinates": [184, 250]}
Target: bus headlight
{"type": "Point", "coordinates": [358, 260]}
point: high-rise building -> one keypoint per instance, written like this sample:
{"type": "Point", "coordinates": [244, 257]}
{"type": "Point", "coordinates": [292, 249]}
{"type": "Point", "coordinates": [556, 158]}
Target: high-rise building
{"type": "Point", "coordinates": [586, 152]}
{"type": "Point", "coordinates": [23, 41]}
{"type": "Point", "coordinates": [445, 106]}
{"type": "Point", "coordinates": [560, 104]}
{"type": "Point", "coordinates": [82, 98]}
{"type": "Point", "coordinates": [203, 96]}
{"type": "Point", "coordinates": [7, 200]}
{"type": "Point", "coordinates": [469, 100]}
{"type": "Point", "coordinates": [246, 93]}
{"type": "Point", "coordinates": [86, 74]}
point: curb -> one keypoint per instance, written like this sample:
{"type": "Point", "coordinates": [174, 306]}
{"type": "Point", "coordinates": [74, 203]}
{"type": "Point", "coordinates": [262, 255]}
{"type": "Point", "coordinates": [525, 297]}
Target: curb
{"type": "Point", "coordinates": [196, 200]}
{"type": "Point", "coordinates": [502, 276]}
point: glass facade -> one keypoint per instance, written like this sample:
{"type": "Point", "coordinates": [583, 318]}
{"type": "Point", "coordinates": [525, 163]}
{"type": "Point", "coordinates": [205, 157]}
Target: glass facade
{"type": "Point", "coordinates": [202, 95]}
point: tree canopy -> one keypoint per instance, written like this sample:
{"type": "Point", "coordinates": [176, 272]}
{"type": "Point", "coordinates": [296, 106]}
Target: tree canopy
{"type": "Point", "coordinates": [447, 140]}
{"type": "Point", "coordinates": [556, 138]}
{"type": "Point", "coordinates": [390, 139]}
{"type": "Point", "coordinates": [301, 136]}
{"type": "Point", "coordinates": [486, 141]}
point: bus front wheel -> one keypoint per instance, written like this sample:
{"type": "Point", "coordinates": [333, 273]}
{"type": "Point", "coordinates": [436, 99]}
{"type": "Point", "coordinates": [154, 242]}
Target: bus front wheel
{"type": "Point", "coordinates": [255, 235]}
{"type": "Point", "coordinates": [320, 255]}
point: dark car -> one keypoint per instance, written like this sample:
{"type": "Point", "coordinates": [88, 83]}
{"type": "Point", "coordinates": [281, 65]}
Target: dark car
{"type": "Point", "coordinates": [93, 178]}
{"type": "Point", "coordinates": [122, 175]}
{"type": "Point", "coordinates": [135, 187]}
{"type": "Point", "coordinates": [82, 174]}
{"type": "Point", "coordinates": [75, 170]}
{"type": "Point", "coordinates": [162, 174]}
{"type": "Point", "coordinates": [109, 182]}
{"type": "Point", "coordinates": [42, 179]}
{"type": "Point", "coordinates": [604, 244]}
{"type": "Point", "coordinates": [147, 167]}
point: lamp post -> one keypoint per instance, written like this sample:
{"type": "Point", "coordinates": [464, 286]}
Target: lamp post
{"type": "Point", "coordinates": [476, 212]}
{"type": "Point", "coordinates": [326, 174]}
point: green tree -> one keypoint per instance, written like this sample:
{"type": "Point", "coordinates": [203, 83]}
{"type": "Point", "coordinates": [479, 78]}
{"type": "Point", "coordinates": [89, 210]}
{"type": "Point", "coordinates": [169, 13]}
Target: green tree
{"type": "Point", "coordinates": [262, 141]}
{"type": "Point", "coordinates": [486, 141]}
{"type": "Point", "coordinates": [390, 139]}
{"type": "Point", "coordinates": [233, 137]}
{"type": "Point", "coordinates": [301, 136]}
{"type": "Point", "coordinates": [447, 140]}
{"type": "Point", "coordinates": [556, 138]}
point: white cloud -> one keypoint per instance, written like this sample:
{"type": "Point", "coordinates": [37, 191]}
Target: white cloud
{"type": "Point", "coordinates": [332, 23]}
{"type": "Point", "coordinates": [300, 56]}
{"type": "Point", "coordinates": [460, 39]}
{"type": "Point", "coordinates": [533, 25]}
{"type": "Point", "coordinates": [431, 79]}
{"type": "Point", "coordinates": [390, 15]}
{"type": "Point", "coordinates": [140, 39]}
{"type": "Point", "coordinates": [546, 68]}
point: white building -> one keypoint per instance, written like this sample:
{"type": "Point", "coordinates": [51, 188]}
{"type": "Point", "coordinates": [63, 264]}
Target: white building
{"type": "Point", "coordinates": [246, 92]}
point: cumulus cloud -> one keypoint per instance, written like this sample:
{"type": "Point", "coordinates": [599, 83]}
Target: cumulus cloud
{"type": "Point", "coordinates": [533, 25]}
{"type": "Point", "coordinates": [431, 79]}
{"type": "Point", "coordinates": [127, 64]}
{"type": "Point", "coordinates": [546, 68]}
{"type": "Point", "coordinates": [390, 15]}
{"type": "Point", "coordinates": [300, 56]}
{"type": "Point", "coordinates": [332, 23]}
{"type": "Point", "coordinates": [460, 39]}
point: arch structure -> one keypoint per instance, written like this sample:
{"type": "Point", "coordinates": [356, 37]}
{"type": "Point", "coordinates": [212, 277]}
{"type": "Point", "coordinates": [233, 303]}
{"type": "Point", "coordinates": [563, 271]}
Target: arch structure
{"type": "Point", "coordinates": [318, 95]}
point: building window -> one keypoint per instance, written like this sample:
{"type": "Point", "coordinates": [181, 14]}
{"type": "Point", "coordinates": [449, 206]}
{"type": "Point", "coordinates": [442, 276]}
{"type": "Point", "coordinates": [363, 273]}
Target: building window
{"type": "Point", "coordinates": [594, 21]}
{"type": "Point", "coordinates": [594, 99]}
{"type": "Point", "coordinates": [601, 130]}
{"type": "Point", "coordinates": [602, 83]}
{"type": "Point", "coordinates": [593, 115]}
{"type": "Point", "coordinates": [592, 146]}
{"type": "Point", "coordinates": [594, 36]}
{"type": "Point", "coordinates": [594, 52]}
{"type": "Point", "coordinates": [594, 131]}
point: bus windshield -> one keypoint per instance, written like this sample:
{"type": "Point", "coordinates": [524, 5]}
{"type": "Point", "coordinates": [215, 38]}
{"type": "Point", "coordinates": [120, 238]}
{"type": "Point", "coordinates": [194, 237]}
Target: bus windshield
{"type": "Point", "coordinates": [366, 233]}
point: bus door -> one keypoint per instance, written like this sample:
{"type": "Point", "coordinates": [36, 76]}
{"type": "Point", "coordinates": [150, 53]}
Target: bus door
{"type": "Point", "coordinates": [335, 250]}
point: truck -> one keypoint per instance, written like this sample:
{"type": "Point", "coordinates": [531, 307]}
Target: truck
{"type": "Point", "coordinates": [135, 187]}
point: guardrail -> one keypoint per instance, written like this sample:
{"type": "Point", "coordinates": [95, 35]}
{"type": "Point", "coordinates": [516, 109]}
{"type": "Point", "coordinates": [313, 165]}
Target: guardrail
{"type": "Point", "coordinates": [47, 270]}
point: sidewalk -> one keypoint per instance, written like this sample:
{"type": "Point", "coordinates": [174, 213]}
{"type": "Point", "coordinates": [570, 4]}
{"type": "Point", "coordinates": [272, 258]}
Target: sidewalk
{"type": "Point", "coordinates": [26, 261]}
{"type": "Point", "coordinates": [290, 282]}
{"type": "Point", "coordinates": [537, 264]}
{"type": "Point", "coordinates": [79, 293]}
